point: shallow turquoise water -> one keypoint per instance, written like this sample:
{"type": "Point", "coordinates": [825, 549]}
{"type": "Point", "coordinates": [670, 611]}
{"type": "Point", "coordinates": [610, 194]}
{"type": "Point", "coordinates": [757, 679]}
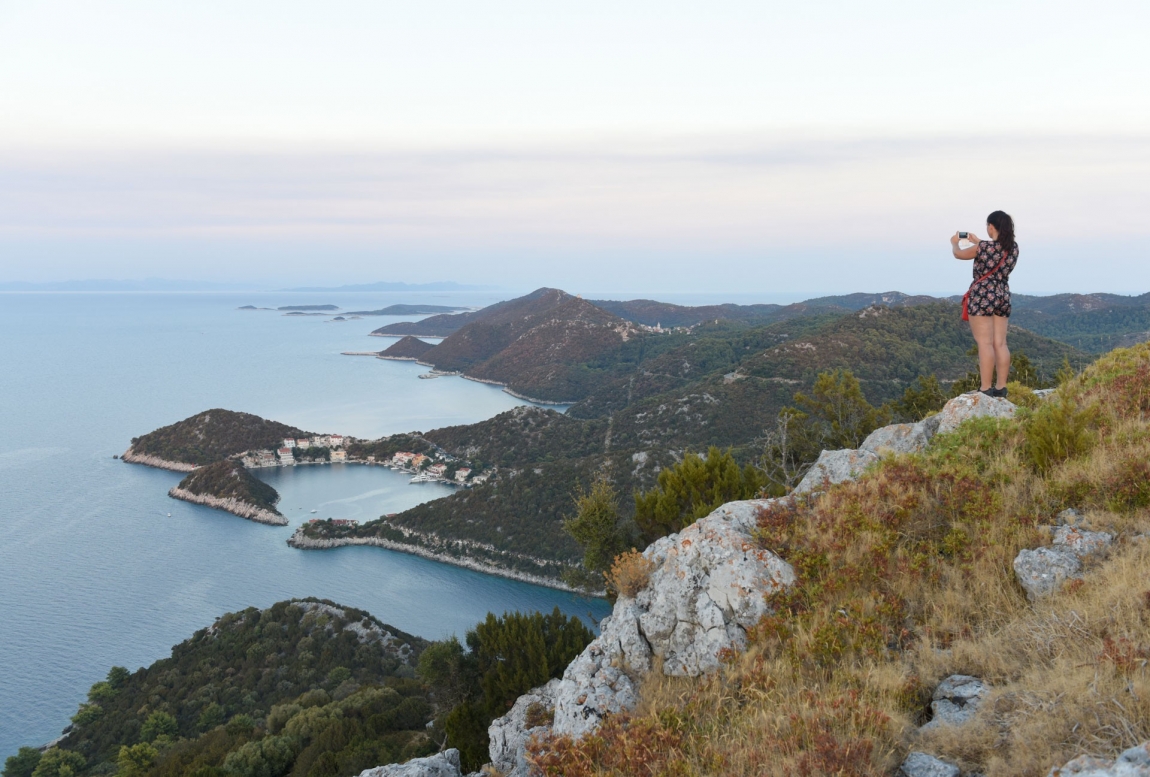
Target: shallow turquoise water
{"type": "Point", "coordinates": [94, 573]}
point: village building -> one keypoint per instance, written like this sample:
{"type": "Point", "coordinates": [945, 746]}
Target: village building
{"type": "Point", "coordinates": [303, 442]}
{"type": "Point", "coordinates": [289, 442]}
{"type": "Point", "coordinates": [437, 470]}
{"type": "Point", "coordinates": [286, 457]}
{"type": "Point", "coordinates": [338, 456]}
{"type": "Point", "coordinates": [417, 460]}
{"type": "Point", "coordinates": [344, 522]}
{"type": "Point", "coordinates": [461, 474]}
{"type": "Point", "coordinates": [336, 440]}
{"type": "Point", "coordinates": [403, 457]}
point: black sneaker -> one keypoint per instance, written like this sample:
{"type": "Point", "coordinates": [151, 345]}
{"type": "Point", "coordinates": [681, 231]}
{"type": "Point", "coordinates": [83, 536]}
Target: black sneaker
{"type": "Point", "coordinates": [999, 392]}
{"type": "Point", "coordinates": [990, 392]}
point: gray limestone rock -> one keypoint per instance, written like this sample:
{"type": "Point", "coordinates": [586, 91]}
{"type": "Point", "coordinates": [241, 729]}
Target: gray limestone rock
{"type": "Point", "coordinates": [1072, 517]}
{"type": "Point", "coordinates": [900, 438]}
{"type": "Point", "coordinates": [967, 406]}
{"type": "Point", "coordinates": [835, 467]}
{"type": "Point", "coordinates": [955, 700]}
{"type": "Point", "coordinates": [923, 765]}
{"type": "Point", "coordinates": [1042, 571]}
{"type": "Point", "coordinates": [445, 764]}
{"type": "Point", "coordinates": [510, 733]}
{"type": "Point", "coordinates": [707, 587]}
{"type": "Point", "coordinates": [1134, 762]}
{"type": "Point", "coordinates": [1080, 542]}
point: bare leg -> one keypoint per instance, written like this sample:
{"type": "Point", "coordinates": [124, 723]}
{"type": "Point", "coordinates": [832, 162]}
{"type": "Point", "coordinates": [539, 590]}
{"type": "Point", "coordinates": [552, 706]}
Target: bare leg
{"type": "Point", "coordinates": [982, 327]}
{"type": "Point", "coordinates": [1001, 352]}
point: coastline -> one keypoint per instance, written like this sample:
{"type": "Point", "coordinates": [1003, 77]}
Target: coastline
{"type": "Point", "coordinates": [513, 393]}
{"type": "Point", "coordinates": [147, 460]}
{"type": "Point", "coordinates": [300, 541]}
{"type": "Point", "coordinates": [230, 505]}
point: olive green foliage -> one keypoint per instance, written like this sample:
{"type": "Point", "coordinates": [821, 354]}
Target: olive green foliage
{"type": "Point", "coordinates": [254, 670]}
{"type": "Point", "coordinates": [598, 527]}
{"type": "Point", "coordinates": [693, 488]}
{"type": "Point", "coordinates": [1058, 430]}
{"type": "Point", "coordinates": [835, 415]}
{"type": "Point", "coordinates": [57, 762]}
{"type": "Point", "coordinates": [840, 414]}
{"type": "Point", "coordinates": [507, 657]}
{"type": "Point", "coordinates": [1094, 331]}
{"type": "Point", "coordinates": [22, 764]}
{"type": "Point", "coordinates": [214, 435]}
{"type": "Point", "coordinates": [386, 447]}
{"type": "Point", "coordinates": [229, 479]}
{"type": "Point", "coordinates": [922, 398]}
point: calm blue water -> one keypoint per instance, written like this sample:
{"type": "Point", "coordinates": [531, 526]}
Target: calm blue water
{"type": "Point", "coordinates": [93, 573]}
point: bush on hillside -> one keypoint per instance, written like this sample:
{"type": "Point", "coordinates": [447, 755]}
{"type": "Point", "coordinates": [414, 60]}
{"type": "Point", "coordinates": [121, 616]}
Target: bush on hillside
{"type": "Point", "coordinates": [692, 489]}
{"type": "Point", "coordinates": [598, 529]}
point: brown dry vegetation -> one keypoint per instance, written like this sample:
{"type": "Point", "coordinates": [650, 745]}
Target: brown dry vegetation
{"type": "Point", "coordinates": [905, 577]}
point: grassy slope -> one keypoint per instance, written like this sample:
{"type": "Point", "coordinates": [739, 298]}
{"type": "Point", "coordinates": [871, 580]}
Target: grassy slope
{"type": "Point", "coordinates": [213, 435]}
{"type": "Point", "coordinates": [905, 577]}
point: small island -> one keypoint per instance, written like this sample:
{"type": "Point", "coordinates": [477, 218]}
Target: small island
{"type": "Point", "coordinates": [227, 485]}
{"type": "Point", "coordinates": [408, 349]}
{"type": "Point", "coordinates": [308, 307]}
{"type": "Point", "coordinates": [409, 310]}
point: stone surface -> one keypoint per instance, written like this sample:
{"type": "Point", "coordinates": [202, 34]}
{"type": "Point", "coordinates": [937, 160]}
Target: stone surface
{"type": "Point", "coordinates": [445, 764]}
{"type": "Point", "coordinates": [901, 438]}
{"type": "Point", "coordinates": [835, 467]}
{"type": "Point", "coordinates": [1134, 762]}
{"type": "Point", "coordinates": [1072, 517]}
{"type": "Point", "coordinates": [707, 587]}
{"type": "Point", "coordinates": [923, 765]}
{"type": "Point", "coordinates": [967, 406]}
{"type": "Point", "coordinates": [1081, 542]}
{"type": "Point", "coordinates": [1042, 571]}
{"type": "Point", "coordinates": [955, 700]}
{"type": "Point", "coordinates": [509, 734]}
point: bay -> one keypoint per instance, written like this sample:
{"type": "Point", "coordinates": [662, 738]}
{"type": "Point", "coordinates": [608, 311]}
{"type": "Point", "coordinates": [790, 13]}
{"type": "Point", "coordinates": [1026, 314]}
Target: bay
{"type": "Point", "coordinates": [93, 571]}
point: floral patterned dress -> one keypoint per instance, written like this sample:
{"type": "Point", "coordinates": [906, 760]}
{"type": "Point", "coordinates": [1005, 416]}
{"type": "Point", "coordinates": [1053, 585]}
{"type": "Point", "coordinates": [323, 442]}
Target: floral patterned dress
{"type": "Point", "coordinates": [991, 297]}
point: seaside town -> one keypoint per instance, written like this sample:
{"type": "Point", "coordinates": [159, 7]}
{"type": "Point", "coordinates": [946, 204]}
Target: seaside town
{"type": "Point", "coordinates": [329, 449]}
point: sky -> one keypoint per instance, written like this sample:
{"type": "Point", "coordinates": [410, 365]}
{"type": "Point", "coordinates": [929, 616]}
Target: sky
{"type": "Point", "coordinates": [821, 147]}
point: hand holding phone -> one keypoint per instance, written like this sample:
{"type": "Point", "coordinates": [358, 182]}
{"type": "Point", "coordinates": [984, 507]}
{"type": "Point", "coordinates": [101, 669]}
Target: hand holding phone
{"type": "Point", "coordinates": [963, 235]}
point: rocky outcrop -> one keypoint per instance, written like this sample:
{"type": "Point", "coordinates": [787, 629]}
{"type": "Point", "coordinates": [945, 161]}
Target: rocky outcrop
{"type": "Point", "coordinates": [231, 505]}
{"type": "Point", "coordinates": [132, 457]}
{"type": "Point", "coordinates": [902, 438]}
{"type": "Point", "coordinates": [923, 765]}
{"type": "Point", "coordinates": [955, 701]}
{"type": "Point", "coordinates": [967, 406]}
{"type": "Point", "coordinates": [1134, 762]}
{"type": "Point", "coordinates": [708, 585]}
{"type": "Point", "coordinates": [1042, 571]}
{"type": "Point", "coordinates": [445, 764]}
{"type": "Point", "coordinates": [531, 714]}
{"type": "Point", "coordinates": [835, 467]}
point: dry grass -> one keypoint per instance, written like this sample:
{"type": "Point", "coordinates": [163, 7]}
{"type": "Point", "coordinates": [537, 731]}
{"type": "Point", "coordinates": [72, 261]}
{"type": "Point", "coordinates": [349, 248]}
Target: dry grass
{"type": "Point", "coordinates": [629, 573]}
{"type": "Point", "coordinates": [904, 578]}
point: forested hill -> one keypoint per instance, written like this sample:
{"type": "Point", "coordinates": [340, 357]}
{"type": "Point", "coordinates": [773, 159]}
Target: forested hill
{"type": "Point", "coordinates": [406, 348]}
{"type": "Point", "coordinates": [720, 385]}
{"type": "Point", "coordinates": [305, 687]}
{"type": "Point", "coordinates": [213, 435]}
{"type": "Point", "coordinates": [1093, 322]}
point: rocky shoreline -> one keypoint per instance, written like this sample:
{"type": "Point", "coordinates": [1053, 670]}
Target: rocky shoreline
{"type": "Point", "coordinates": [132, 457]}
{"type": "Point", "coordinates": [301, 541]}
{"type": "Point", "coordinates": [231, 505]}
{"type": "Point", "coordinates": [515, 394]}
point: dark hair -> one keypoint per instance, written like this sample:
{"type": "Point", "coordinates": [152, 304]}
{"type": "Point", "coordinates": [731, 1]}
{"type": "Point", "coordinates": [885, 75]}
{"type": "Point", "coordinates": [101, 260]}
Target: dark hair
{"type": "Point", "coordinates": [1002, 221]}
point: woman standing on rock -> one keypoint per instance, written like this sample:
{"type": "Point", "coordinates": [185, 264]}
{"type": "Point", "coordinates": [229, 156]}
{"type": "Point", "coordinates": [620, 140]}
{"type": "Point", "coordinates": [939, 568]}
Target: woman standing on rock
{"type": "Point", "coordinates": [987, 302]}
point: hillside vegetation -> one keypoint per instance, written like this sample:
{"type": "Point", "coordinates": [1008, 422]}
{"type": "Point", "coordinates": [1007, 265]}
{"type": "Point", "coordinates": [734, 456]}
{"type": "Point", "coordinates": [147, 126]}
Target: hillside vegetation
{"type": "Point", "coordinates": [406, 348]}
{"type": "Point", "coordinates": [213, 435]}
{"type": "Point", "coordinates": [905, 577]}
{"type": "Point", "coordinates": [724, 386]}
{"type": "Point", "coordinates": [306, 687]}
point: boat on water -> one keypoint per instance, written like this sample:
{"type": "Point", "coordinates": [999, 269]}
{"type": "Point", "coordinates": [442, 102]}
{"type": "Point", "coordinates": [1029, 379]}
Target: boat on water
{"type": "Point", "coordinates": [315, 511]}
{"type": "Point", "coordinates": [421, 478]}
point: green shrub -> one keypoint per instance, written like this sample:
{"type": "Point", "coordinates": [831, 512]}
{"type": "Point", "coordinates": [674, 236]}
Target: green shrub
{"type": "Point", "coordinates": [59, 763]}
{"type": "Point", "coordinates": [23, 763]}
{"type": "Point", "coordinates": [1057, 431]}
{"type": "Point", "coordinates": [159, 724]}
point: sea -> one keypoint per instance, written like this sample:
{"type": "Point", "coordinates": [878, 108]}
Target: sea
{"type": "Point", "coordinates": [100, 568]}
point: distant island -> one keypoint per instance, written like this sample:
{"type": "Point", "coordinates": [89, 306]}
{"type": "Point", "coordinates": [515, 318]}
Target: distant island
{"type": "Point", "coordinates": [308, 307]}
{"type": "Point", "coordinates": [408, 310]}
{"type": "Point", "coordinates": [396, 286]}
